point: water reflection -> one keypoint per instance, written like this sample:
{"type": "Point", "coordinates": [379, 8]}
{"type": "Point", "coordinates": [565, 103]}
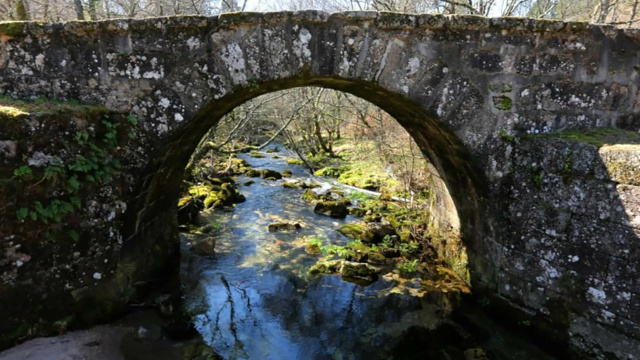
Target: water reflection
{"type": "Point", "coordinates": [253, 299]}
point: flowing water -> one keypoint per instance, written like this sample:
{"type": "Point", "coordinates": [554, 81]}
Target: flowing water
{"type": "Point", "coordinates": [253, 298]}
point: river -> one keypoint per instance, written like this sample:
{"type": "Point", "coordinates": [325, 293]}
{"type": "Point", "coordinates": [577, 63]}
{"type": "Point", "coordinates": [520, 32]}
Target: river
{"type": "Point", "coordinates": [253, 298]}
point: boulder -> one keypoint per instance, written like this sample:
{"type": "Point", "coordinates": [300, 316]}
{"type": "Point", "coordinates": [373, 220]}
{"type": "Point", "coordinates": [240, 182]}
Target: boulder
{"type": "Point", "coordinates": [253, 173]}
{"type": "Point", "coordinates": [204, 247]}
{"type": "Point", "coordinates": [290, 185]}
{"type": "Point", "coordinates": [376, 258]}
{"type": "Point", "coordinates": [379, 231]}
{"type": "Point", "coordinates": [359, 271]}
{"type": "Point", "coordinates": [270, 174]}
{"type": "Point", "coordinates": [287, 173]}
{"type": "Point", "coordinates": [310, 196]}
{"type": "Point", "coordinates": [313, 249]}
{"type": "Point", "coordinates": [335, 209]}
{"type": "Point", "coordinates": [325, 267]}
{"type": "Point", "coordinates": [353, 231]}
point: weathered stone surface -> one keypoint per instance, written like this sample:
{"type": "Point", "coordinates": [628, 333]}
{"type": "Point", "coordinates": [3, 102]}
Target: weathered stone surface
{"type": "Point", "coordinates": [540, 216]}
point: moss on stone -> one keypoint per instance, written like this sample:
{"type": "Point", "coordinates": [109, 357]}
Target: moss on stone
{"type": "Point", "coordinates": [289, 185]}
{"type": "Point", "coordinates": [325, 267]}
{"type": "Point", "coordinates": [598, 137]}
{"type": "Point", "coordinates": [353, 231]}
{"type": "Point", "coordinates": [295, 162]}
{"type": "Point", "coordinates": [16, 107]}
{"type": "Point", "coordinates": [502, 103]}
{"type": "Point", "coordinates": [269, 174]}
{"type": "Point", "coordinates": [310, 196]}
{"type": "Point", "coordinates": [12, 28]}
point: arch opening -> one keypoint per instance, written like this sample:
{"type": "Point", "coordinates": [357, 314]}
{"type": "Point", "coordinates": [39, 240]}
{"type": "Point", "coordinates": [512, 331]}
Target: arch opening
{"type": "Point", "coordinates": [439, 145]}
{"type": "Point", "coordinates": [413, 120]}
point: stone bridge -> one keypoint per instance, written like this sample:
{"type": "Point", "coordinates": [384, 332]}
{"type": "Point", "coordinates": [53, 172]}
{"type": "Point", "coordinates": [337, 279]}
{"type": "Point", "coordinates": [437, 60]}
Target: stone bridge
{"type": "Point", "coordinates": [509, 111]}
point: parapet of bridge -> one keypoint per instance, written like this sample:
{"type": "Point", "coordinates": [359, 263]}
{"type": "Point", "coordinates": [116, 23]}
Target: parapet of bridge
{"type": "Point", "coordinates": [509, 111]}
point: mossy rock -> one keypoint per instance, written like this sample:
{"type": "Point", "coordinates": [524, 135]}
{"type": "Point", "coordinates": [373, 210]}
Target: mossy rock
{"type": "Point", "coordinates": [329, 172]}
{"type": "Point", "coordinates": [335, 209]}
{"type": "Point", "coordinates": [376, 258]}
{"type": "Point", "coordinates": [325, 267]}
{"type": "Point", "coordinates": [269, 174]}
{"type": "Point", "coordinates": [253, 173]}
{"type": "Point", "coordinates": [360, 252]}
{"type": "Point", "coordinates": [310, 196]}
{"type": "Point", "coordinates": [200, 191]}
{"type": "Point", "coordinates": [386, 197]}
{"type": "Point", "coordinates": [275, 157]}
{"type": "Point", "coordinates": [290, 185]}
{"type": "Point", "coordinates": [372, 218]}
{"type": "Point", "coordinates": [359, 271]}
{"type": "Point", "coordinates": [248, 183]}
{"type": "Point", "coordinates": [353, 231]}
{"type": "Point", "coordinates": [295, 162]}
{"type": "Point", "coordinates": [280, 226]}
{"type": "Point", "coordinates": [379, 231]}
{"type": "Point", "coordinates": [286, 173]}
{"type": "Point", "coordinates": [211, 201]}
{"type": "Point", "coordinates": [256, 154]}
{"type": "Point", "coordinates": [313, 249]}
{"type": "Point", "coordinates": [310, 185]}
{"type": "Point", "coordinates": [359, 212]}
{"type": "Point", "coordinates": [271, 150]}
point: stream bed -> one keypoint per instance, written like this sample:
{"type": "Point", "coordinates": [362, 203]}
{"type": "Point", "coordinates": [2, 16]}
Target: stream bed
{"type": "Point", "coordinates": [254, 299]}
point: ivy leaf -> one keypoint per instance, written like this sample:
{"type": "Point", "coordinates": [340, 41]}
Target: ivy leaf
{"type": "Point", "coordinates": [76, 202]}
{"type": "Point", "coordinates": [22, 213]}
{"type": "Point", "coordinates": [73, 235]}
{"type": "Point", "coordinates": [22, 170]}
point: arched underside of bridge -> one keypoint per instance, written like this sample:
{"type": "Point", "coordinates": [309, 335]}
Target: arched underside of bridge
{"type": "Point", "coordinates": [481, 97]}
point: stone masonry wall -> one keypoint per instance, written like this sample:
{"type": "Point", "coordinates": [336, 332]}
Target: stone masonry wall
{"type": "Point", "coordinates": [572, 248]}
{"type": "Point", "coordinates": [468, 89]}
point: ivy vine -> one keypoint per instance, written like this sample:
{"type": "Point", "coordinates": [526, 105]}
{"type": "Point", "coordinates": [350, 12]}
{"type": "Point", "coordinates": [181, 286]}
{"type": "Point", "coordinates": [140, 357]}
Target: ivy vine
{"type": "Point", "coordinates": [93, 163]}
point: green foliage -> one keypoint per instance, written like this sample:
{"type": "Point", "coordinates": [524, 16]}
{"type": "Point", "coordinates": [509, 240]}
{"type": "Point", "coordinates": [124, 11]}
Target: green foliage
{"type": "Point", "coordinates": [407, 249]}
{"type": "Point", "coordinates": [22, 170]}
{"type": "Point", "coordinates": [343, 252]}
{"type": "Point", "coordinates": [93, 162]}
{"type": "Point", "coordinates": [408, 267]}
{"type": "Point", "coordinates": [387, 242]}
{"type": "Point", "coordinates": [356, 195]}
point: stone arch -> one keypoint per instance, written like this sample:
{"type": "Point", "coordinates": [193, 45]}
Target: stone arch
{"type": "Point", "coordinates": [454, 163]}
{"type": "Point", "coordinates": [469, 89]}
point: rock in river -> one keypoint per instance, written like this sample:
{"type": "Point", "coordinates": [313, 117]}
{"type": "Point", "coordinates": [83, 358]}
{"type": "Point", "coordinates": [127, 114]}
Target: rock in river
{"type": "Point", "coordinates": [336, 209]}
